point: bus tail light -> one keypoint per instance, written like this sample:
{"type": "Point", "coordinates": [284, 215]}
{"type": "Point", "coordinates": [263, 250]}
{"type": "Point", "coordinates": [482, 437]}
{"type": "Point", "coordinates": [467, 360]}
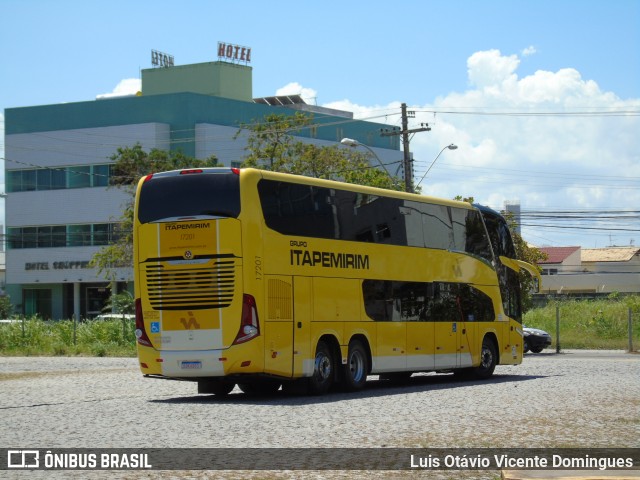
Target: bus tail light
{"type": "Point", "coordinates": [249, 324]}
{"type": "Point", "coordinates": [141, 332]}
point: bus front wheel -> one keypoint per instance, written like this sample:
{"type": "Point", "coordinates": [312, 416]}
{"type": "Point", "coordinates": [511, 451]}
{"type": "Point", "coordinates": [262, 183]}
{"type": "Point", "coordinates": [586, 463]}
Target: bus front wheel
{"type": "Point", "coordinates": [488, 359]}
{"type": "Point", "coordinates": [322, 371]}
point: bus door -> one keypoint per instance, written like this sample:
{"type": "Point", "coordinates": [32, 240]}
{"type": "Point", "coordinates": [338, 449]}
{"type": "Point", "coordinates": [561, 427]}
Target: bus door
{"type": "Point", "coordinates": [453, 344]}
{"type": "Point", "coordinates": [446, 344]}
{"type": "Point", "coordinates": [466, 338]}
{"type": "Point", "coordinates": [450, 327]}
{"type": "Point", "coordinates": [278, 325]}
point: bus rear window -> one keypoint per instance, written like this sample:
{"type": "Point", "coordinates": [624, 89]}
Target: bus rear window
{"type": "Point", "coordinates": [172, 196]}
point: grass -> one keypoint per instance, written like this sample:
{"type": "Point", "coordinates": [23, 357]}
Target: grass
{"type": "Point", "coordinates": [31, 337]}
{"type": "Point", "coordinates": [590, 324]}
{"type": "Point", "coordinates": [584, 324]}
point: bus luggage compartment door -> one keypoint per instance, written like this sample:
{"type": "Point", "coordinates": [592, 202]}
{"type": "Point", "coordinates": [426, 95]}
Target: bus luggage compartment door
{"type": "Point", "coordinates": [278, 326]}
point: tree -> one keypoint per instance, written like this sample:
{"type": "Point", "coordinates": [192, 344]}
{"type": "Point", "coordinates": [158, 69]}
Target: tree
{"type": "Point", "coordinates": [121, 303]}
{"type": "Point", "coordinates": [271, 146]}
{"type": "Point", "coordinates": [270, 143]}
{"type": "Point", "coordinates": [130, 164]}
{"type": "Point", "coordinates": [6, 308]}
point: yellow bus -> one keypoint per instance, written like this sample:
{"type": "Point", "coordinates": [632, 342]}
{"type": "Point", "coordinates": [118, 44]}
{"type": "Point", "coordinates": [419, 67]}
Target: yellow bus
{"type": "Point", "coordinates": [264, 279]}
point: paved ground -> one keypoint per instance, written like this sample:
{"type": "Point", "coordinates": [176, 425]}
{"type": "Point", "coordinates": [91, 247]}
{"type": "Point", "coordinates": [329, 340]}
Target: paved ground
{"type": "Point", "coordinates": [574, 399]}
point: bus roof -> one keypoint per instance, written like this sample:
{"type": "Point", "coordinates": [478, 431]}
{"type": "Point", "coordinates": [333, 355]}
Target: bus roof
{"type": "Point", "coordinates": [301, 179]}
{"type": "Point", "coordinates": [288, 177]}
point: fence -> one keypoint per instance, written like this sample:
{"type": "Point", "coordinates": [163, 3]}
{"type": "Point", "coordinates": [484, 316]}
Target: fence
{"type": "Point", "coordinates": [629, 330]}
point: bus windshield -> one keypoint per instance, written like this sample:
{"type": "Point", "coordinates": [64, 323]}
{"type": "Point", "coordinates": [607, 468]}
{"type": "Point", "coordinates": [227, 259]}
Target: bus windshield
{"type": "Point", "coordinates": [205, 194]}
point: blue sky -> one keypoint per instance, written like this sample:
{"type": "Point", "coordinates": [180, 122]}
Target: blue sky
{"type": "Point", "coordinates": [541, 97]}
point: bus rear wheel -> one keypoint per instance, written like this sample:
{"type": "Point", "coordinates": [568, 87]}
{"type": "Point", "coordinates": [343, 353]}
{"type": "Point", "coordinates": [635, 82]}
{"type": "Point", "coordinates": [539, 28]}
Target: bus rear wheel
{"type": "Point", "coordinates": [356, 368]}
{"type": "Point", "coordinates": [323, 370]}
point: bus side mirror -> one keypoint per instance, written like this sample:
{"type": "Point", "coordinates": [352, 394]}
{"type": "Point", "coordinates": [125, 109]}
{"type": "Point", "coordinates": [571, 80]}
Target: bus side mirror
{"type": "Point", "coordinates": [517, 265]}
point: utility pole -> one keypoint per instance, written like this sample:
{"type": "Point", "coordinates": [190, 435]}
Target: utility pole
{"type": "Point", "coordinates": [408, 170]}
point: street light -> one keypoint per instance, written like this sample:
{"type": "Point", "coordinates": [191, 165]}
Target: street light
{"type": "Point", "coordinates": [350, 142]}
{"type": "Point", "coordinates": [450, 147]}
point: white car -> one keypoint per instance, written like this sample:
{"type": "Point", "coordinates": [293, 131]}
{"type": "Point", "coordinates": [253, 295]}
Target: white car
{"type": "Point", "coordinates": [115, 316]}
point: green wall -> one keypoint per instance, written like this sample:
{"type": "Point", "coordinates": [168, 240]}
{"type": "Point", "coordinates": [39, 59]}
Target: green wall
{"type": "Point", "coordinates": [218, 79]}
{"type": "Point", "coordinates": [182, 111]}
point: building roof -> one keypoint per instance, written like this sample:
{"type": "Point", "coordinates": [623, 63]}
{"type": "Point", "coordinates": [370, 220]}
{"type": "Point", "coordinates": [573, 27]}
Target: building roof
{"type": "Point", "coordinates": [557, 254]}
{"type": "Point", "coordinates": [611, 254]}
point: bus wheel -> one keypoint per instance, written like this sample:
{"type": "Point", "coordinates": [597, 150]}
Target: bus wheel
{"type": "Point", "coordinates": [322, 377]}
{"type": "Point", "coordinates": [488, 359]}
{"type": "Point", "coordinates": [356, 368]}
{"type": "Point", "coordinates": [259, 388]}
{"type": "Point", "coordinates": [216, 387]}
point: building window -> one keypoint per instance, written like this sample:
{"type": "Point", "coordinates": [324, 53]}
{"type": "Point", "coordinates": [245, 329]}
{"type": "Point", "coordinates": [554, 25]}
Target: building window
{"type": "Point", "coordinates": [37, 301]}
{"type": "Point", "coordinates": [29, 180]}
{"type": "Point", "coordinates": [50, 236]}
{"type": "Point", "coordinates": [79, 235]}
{"type": "Point", "coordinates": [77, 176]}
{"type": "Point", "coordinates": [101, 175]}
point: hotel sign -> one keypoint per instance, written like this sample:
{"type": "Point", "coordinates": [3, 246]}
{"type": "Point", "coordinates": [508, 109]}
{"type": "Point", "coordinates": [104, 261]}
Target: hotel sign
{"type": "Point", "coordinates": [159, 59]}
{"type": "Point", "coordinates": [71, 265]}
{"type": "Point", "coordinates": [234, 53]}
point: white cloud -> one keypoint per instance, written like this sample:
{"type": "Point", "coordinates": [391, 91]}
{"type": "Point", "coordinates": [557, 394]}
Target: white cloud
{"type": "Point", "coordinates": [128, 86]}
{"type": "Point", "coordinates": [542, 139]}
{"type": "Point", "coordinates": [530, 50]}
{"type": "Point", "coordinates": [309, 95]}
{"type": "Point", "coordinates": [490, 69]}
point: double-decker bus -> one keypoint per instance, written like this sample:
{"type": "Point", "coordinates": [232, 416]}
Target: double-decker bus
{"type": "Point", "coordinates": [264, 279]}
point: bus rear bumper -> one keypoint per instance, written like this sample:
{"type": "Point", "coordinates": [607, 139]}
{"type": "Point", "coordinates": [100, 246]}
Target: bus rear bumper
{"type": "Point", "coordinates": [181, 364]}
{"type": "Point", "coordinates": [204, 363]}
{"type": "Point", "coordinates": [238, 360]}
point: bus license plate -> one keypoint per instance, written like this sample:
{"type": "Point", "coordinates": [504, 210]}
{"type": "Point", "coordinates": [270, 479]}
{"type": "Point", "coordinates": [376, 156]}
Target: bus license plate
{"type": "Point", "coordinates": [191, 365]}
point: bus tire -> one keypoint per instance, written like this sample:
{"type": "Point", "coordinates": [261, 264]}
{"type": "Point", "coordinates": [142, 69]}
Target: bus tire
{"type": "Point", "coordinates": [356, 368]}
{"type": "Point", "coordinates": [323, 370]}
{"type": "Point", "coordinates": [488, 359]}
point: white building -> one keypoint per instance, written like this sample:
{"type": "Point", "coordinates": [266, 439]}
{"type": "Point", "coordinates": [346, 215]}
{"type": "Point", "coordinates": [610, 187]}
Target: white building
{"type": "Point", "coordinates": [573, 270]}
{"type": "Point", "coordinates": [59, 208]}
